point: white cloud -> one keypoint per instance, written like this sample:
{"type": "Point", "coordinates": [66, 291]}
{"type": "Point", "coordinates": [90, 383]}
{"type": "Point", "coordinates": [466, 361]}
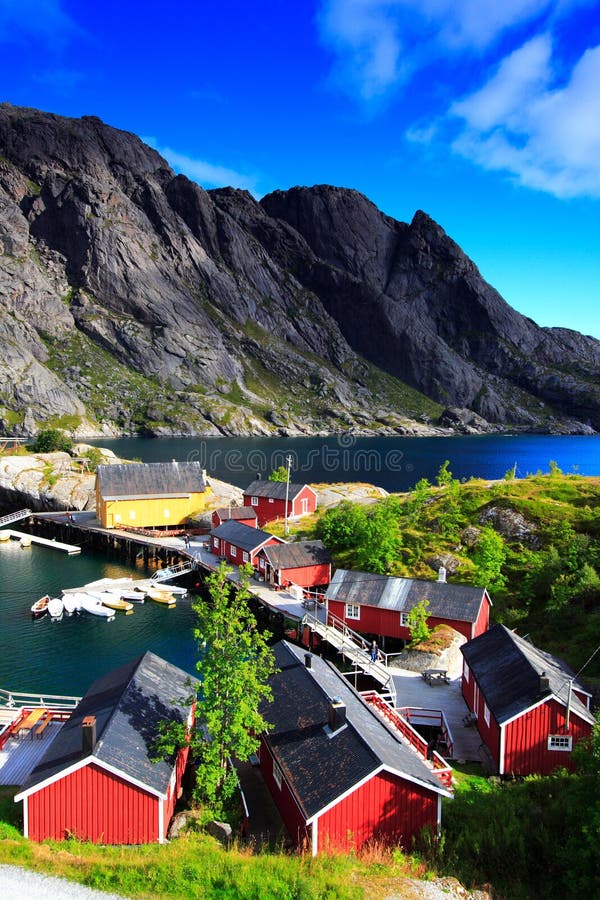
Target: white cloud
{"type": "Point", "coordinates": [205, 173]}
{"type": "Point", "coordinates": [523, 122]}
{"type": "Point", "coordinates": [379, 44]}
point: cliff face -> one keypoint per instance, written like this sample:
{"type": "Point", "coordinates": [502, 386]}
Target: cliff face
{"type": "Point", "coordinates": [130, 297]}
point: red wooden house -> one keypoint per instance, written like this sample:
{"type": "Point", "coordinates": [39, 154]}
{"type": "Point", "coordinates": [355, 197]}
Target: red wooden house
{"type": "Point", "coordinates": [239, 543]}
{"type": "Point", "coordinates": [530, 711]}
{"type": "Point", "coordinates": [97, 780]}
{"type": "Point", "coordinates": [244, 514]}
{"type": "Point", "coordinates": [380, 604]}
{"type": "Point", "coordinates": [306, 563]}
{"type": "Point", "coordinates": [339, 775]}
{"type": "Point", "coordinates": [267, 498]}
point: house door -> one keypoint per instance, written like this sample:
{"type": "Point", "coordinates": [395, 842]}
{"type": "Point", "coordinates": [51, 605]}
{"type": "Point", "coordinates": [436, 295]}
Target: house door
{"type": "Point", "coordinates": [303, 506]}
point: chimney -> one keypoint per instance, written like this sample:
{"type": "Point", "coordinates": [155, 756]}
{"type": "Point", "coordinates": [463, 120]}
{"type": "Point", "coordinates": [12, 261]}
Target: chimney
{"type": "Point", "coordinates": [258, 476]}
{"type": "Point", "coordinates": [337, 714]}
{"type": "Point", "coordinates": [442, 575]}
{"type": "Point", "coordinates": [544, 683]}
{"type": "Point", "coordinates": [88, 734]}
{"type": "Point", "coordinates": [308, 660]}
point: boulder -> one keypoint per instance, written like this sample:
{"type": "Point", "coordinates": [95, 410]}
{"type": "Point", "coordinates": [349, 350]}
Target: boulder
{"type": "Point", "coordinates": [221, 831]}
{"type": "Point", "coordinates": [510, 524]}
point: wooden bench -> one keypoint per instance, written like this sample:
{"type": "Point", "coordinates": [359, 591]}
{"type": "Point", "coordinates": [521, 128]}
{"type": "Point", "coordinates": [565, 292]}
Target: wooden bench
{"type": "Point", "coordinates": [43, 725]}
{"type": "Point", "coordinates": [436, 676]}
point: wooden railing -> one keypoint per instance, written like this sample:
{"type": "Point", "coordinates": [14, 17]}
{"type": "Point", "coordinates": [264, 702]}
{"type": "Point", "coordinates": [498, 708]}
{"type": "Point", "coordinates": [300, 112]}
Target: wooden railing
{"type": "Point", "coordinates": [441, 769]}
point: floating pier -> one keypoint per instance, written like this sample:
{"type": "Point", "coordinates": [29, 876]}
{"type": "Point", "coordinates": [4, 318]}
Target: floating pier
{"type": "Point", "coordinates": [44, 542]}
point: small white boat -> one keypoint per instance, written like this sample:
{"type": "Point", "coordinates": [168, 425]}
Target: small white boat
{"type": "Point", "coordinates": [126, 594]}
{"type": "Point", "coordinates": [25, 541]}
{"type": "Point", "coordinates": [4, 536]}
{"type": "Point", "coordinates": [112, 600]}
{"type": "Point", "coordinates": [171, 588]}
{"type": "Point", "coordinates": [55, 608]}
{"type": "Point", "coordinates": [40, 607]}
{"type": "Point", "coordinates": [96, 607]}
{"type": "Point", "coordinates": [71, 604]}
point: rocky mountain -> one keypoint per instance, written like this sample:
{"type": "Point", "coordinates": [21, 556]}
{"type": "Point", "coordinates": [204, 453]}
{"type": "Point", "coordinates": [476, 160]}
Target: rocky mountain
{"type": "Point", "coordinates": [131, 299]}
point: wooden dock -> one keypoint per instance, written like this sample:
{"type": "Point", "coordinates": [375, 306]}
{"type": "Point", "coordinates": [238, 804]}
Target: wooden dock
{"type": "Point", "coordinates": [44, 542]}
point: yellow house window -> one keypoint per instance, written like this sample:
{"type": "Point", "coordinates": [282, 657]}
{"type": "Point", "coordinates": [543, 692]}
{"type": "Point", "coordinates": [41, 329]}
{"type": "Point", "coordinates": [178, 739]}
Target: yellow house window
{"type": "Point", "coordinates": [117, 517]}
{"type": "Point", "coordinates": [167, 513]}
{"type": "Point", "coordinates": [132, 514]}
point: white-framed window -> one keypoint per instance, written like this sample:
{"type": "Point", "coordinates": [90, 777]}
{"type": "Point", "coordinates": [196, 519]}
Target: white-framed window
{"type": "Point", "coordinates": [466, 672]}
{"type": "Point", "coordinates": [216, 543]}
{"type": "Point", "coordinates": [486, 714]}
{"type": "Point", "coordinates": [261, 563]}
{"type": "Point", "coordinates": [404, 620]}
{"type": "Point", "coordinates": [352, 611]}
{"type": "Point", "coordinates": [245, 556]}
{"type": "Point", "coordinates": [271, 500]}
{"type": "Point", "coordinates": [560, 742]}
{"type": "Point", "coordinates": [254, 501]}
{"type": "Point", "coordinates": [132, 513]}
{"type": "Point", "coordinates": [277, 777]}
{"type": "Point", "coordinates": [232, 550]}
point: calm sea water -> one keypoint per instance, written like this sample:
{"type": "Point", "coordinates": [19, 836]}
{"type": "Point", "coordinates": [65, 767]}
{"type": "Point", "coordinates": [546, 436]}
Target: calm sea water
{"type": "Point", "coordinates": [65, 657]}
{"type": "Point", "coordinates": [394, 463]}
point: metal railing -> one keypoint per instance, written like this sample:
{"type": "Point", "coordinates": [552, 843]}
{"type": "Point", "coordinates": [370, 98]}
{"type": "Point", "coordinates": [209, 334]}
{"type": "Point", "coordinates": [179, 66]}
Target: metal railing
{"type": "Point", "coordinates": [18, 699]}
{"type": "Point", "coordinates": [15, 516]}
{"type": "Point", "coordinates": [174, 571]}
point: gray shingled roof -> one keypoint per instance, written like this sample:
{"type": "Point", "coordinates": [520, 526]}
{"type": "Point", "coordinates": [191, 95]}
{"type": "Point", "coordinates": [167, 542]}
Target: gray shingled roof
{"type": "Point", "coordinates": [139, 480]}
{"type": "Point", "coordinates": [297, 554]}
{"type": "Point", "coordinates": [319, 768]}
{"type": "Point", "coordinates": [128, 704]}
{"type": "Point", "coordinates": [446, 601]}
{"type": "Point", "coordinates": [273, 489]}
{"type": "Point", "coordinates": [235, 512]}
{"type": "Point", "coordinates": [243, 536]}
{"type": "Point", "coordinates": [507, 669]}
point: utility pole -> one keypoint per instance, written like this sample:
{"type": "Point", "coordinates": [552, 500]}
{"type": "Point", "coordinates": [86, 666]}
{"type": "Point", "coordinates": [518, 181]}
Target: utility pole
{"type": "Point", "coordinates": [287, 493]}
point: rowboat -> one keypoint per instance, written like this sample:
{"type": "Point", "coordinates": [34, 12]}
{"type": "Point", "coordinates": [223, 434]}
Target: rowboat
{"type": "Point", "coordinates": [171, 588]}
{"type": "Point", "coordinates": [161, 596]}
{"type": "Point", "coordinates": [96, 607]}
{"type": "Point", "coordinates": [4, 536]}
{"type": "Point", "coordinates": [40, 607]}
{"type": "Point", "coordinates": [112, 600]}
{"type": "Point", "coordinates": [55, 608]}
{"type": "Point", "coordinates": [25, 541]}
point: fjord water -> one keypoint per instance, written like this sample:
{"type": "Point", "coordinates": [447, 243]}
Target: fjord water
{"type": "Point", "coordinates": [393, 463]}
{"type": "Point", "coordinates": [65, 657]}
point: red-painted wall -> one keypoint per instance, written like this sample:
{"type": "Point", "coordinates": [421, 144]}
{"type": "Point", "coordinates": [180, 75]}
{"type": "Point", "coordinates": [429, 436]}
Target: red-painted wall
{"type": "Point", "coordinates": [290, 813]}
{"type": "Point", "coordinates": [270, 508]}
{"type": "Point", "coordinates": [224, 549]}
{"type": "Point", "coordinates": [306, 576]}
{"type": "Point", "coordinates": [217, 520]}
{"type": "Point", "coordinates": [93, 805]}
{"type": "Point", "coordinates": [386, 808]}
{"type": "Point", "coordinates": [386, 622]}
{"type": "Point", "coordinates": [526, 742]}
{"type": "Point", "coordinates": [482, 623]}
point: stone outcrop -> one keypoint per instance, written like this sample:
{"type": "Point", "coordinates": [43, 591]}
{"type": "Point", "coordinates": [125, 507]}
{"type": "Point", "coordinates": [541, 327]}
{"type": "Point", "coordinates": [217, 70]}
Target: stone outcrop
{"type": "Point", "coordinates": [132, 299]}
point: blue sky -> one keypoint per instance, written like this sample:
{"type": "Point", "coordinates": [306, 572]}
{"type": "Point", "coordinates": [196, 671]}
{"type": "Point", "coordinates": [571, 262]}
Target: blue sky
{"type": "Point", "coordinates": [483, 113]}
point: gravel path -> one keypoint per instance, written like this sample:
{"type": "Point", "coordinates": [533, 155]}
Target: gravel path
{"type": "Point", "coordinates": [17, 883]}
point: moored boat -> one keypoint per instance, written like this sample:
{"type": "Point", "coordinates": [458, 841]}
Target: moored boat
{"type": "Point", "coordinates": [25, 541]}
{"type": "Point", "coordinates": [40, 607]}
{"type": "Point", "coordinates": [112, 600]}
{"type": "Point", "coordinates": [55, 608]}
{"type": "Point", "coordinates": [4, 536]}
{"type": "Point", "coordinates": [71, 603]}
{"type": "Point", "coordinates": [96, 607]}
{"type": "Point", "coordinates": [161, 596]}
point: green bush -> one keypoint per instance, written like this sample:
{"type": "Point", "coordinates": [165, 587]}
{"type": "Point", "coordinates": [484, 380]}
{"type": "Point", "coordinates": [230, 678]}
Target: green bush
{"type": "Point", "coordinates": [50, 440]}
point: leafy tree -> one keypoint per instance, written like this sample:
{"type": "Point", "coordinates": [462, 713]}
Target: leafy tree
{"type": "Point", "coordinates": [342, 527]}
{"type": "Point", "coordinates": [380, 539]}
{"type": "Point", "coordinates": [554, 468]}
{"type": "Point", "coordinates": [417, 500]}
{"type": "Point", "coordinates": [444, 476]}
{"type": "Point", "coordinates": [489, 556]}
{"type": "Point", "coordinates": [417, 622]}
{"type": "Point", "coordinates": [235, 662]}
{"type": "Point", "coordinates": [279, 474]}
{"type": "Point", "coordinates": [451, 515]}
{"type": "Point", "coordinates": [51, 439]}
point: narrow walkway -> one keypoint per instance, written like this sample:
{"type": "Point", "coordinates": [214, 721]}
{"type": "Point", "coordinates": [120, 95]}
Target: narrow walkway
{"type": "Point", "coordinates": [44, 542]}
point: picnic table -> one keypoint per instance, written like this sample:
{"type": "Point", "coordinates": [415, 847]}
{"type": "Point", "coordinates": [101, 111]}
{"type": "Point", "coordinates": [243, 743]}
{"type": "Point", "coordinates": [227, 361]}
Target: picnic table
{"type": "Point", "coordinates": [308, 603]}
{"type": "Point", "coordinates": [31, 719]}
{"type": "Point", "coordinates": [436, 676]}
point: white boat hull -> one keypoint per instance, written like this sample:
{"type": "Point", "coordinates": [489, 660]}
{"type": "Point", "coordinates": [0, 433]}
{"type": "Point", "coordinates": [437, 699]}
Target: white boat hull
{"type": "Point", "coordinates": [95, 607]}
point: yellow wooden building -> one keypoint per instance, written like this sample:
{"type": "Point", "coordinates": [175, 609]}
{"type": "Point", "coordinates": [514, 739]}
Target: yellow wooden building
{"type": "Point", "coordinates": [150, 495]}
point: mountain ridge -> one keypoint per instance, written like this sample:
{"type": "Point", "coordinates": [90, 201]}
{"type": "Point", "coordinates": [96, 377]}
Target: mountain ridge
{"type": "Point", "coordinates": [132, 299]}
